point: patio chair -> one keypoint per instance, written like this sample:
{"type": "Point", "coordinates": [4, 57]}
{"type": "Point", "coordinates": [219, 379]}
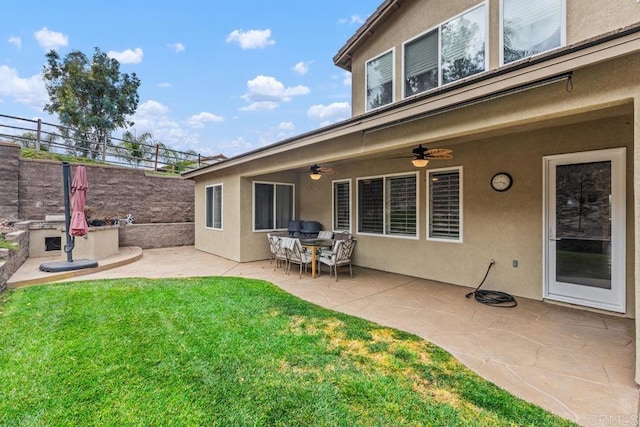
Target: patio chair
{"type": "Point", "coordinates": [297, 255]}
{"type": "Point", "coordinates": [325, 234]}
{"type": "Point", "coordinates": [338, 235]}
{"type": "Point", "coordinates": [340, 255]}
{"type": "Point", "coordinates": [278, 249]}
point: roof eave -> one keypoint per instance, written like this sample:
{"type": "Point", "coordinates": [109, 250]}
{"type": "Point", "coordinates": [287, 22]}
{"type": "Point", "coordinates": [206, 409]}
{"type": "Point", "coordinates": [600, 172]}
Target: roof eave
{"type": "Point", "coordinates": [343, 58]}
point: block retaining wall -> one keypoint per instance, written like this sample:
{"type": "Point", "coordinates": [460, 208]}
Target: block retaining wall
{"type": "Point", "coordinates": [149, 236]}
{"type": "Point", "coordinates": [11, 260]}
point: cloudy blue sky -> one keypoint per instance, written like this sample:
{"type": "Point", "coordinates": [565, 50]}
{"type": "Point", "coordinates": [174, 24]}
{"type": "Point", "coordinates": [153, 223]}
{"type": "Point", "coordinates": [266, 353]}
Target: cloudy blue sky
{"type": "Point", "coordinates": [217, 77]}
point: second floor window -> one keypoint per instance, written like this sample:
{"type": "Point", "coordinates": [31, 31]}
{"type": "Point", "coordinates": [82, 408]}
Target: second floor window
{"type": "Point", "coordinates": [421, 64]}
{"type": "Point", "coordinates": [380, 81]}
{"type": "Point", "coordinates": [452, 51]}
{"type": "Point", "coordinates": [531, 27]}
{"type": "Point", "coordinates": [463, 45]}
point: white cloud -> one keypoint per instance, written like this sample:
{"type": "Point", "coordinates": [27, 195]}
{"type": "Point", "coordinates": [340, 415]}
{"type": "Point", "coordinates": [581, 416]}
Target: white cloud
{"type": "Point", "coordinates": [30, 91]}
{"type": "Point", "coordinates": [177, 47]}
{"type": "Point", "coordinates": [336, 111]}
{"type": "Point", "coordinates": [354, 19]}
{"type": "Point", "coordinates": [198, 120]}
{"type": "Point", "coordinates": [152, 116]}
{"type": "Point", "coordinates": [16, 41]}
{"type": "Point", "coordinates": [301, 68]}
{"type": "Point", "coordinates": [235, 146]}
{"type": "Point", "coordinates": [50, 39]}
{"type": "Point", "coordinates": [346, 78]}
{"type": "Point", "coordinates": [127, 56]}
{"type": "Point", "coordinates": [151, 108]}
{"type": "Point", "coordinates": [268, 92]}
{"type": "Point", "coordinates": [286, 126]}
{"type": "Point", "coordinates": [164, 85]}
{"type": "Point", "coordinates": [260, 106]}
{"type": "Point", "coordinates": [252, 39]}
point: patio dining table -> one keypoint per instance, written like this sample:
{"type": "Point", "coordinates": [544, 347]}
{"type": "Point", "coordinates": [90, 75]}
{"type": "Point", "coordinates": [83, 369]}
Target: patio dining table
{"type": "Point", "coordinates": [313, 245]}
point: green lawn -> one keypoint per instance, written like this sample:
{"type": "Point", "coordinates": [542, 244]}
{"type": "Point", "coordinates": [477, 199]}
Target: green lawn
{"type": "Point", "coordinates": [228, 352]}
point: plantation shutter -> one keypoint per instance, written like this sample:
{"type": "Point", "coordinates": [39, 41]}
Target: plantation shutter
{"type": "Point", "coordinates": [444, 205]}
{"type": "Point", "coordinates": [463, 45]}
{"type": "Point", "coordinates": [341, 207]}
{"type": "Point", "coordinates": [371, 206]}
{"type": "Point", "coordinates": [421, 55]}
{"type": "Point", "coordinates": [531, 27]}
{"type": "Point", "coordinates": [380, 71]}
{"type": "Point", "coordinates": [401, 205]}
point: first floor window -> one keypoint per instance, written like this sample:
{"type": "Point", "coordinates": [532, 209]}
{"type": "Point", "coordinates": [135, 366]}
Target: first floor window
{"type": "Point", "coordinates": [273, 205]}
{"type": "Point", "coordinates": [213, 206]}
{"type": "Point", "coordinates": [342, 205]}
{"type": "Point", "coordinates": [380, 81]}
{"type": "Point", "coordinates": [445, 214]}
{"type": "Point", "coordinates": [530, 27]}
{"type": "Point", "coordinates": [387, 205]}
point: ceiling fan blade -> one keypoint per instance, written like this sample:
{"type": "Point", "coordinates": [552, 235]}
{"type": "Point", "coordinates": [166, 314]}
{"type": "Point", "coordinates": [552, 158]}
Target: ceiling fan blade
{"type": "Point", "coordinates": [326, 170]}
{"type": "Point", "coordinates": [439, 157]}
{"type": "Point", "coordinates": [437, 151]}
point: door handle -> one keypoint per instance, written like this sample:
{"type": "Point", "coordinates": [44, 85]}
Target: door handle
{"type": "Point", "coordinates": [555, 239]}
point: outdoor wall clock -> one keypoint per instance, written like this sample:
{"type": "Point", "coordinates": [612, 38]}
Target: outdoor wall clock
{"type": "Point", "coordinates": [501, 181]}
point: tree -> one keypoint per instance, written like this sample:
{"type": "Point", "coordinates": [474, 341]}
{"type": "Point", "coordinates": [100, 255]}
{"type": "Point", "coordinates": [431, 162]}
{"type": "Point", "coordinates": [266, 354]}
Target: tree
{"type": "Point", "coordinates": [92, 97]}
{"type": "Point", "coordinates": [28, 140]}
{"type": "Point", "coordinates": [135, 149]}
{"type": "Point", "coordinates": [176, 160]}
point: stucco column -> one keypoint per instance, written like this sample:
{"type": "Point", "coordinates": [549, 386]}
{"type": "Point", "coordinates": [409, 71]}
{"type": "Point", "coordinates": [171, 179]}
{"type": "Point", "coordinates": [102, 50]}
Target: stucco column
{"type": "Point", "coordinates": [636, 215]}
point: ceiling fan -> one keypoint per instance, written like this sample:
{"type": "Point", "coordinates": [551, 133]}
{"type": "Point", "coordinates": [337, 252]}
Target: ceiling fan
{"type": "Point", "coordinates": [423, 155]}
{"type": "Point", "coordinates": [317, 171]}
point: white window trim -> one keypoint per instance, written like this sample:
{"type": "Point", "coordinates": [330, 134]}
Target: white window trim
{"type": "Point", "coordinates": [384, 196]}
{"type": "Point", "coordinates": [393, 79]}
{"type": "Point", "coordinates": [461, 195]}
{"type": "Point", "coordinates": [333, 203]}
{"type": "Point", "coordinates": [439, 28]}
{"type": "Point", "coordinates": [212, 206]}
{"type": "Point", "coordinates": [253, 205]}
{"type": "Point", "coordinates": [563, 33]}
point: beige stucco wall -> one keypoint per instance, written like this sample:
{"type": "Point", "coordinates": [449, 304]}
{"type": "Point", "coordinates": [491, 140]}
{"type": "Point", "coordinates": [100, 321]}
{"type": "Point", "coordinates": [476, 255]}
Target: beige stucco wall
{"type": "Point", "coordinates": [501, 226]}
{"type": "Point", "coordinates": [225, 242]}
{"type": "Point", "coordinates": [420, 16]}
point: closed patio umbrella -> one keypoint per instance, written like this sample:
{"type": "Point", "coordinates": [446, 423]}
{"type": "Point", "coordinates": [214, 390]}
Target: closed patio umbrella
{"type": "Point", "coordinates": [76, 224]}
{"type": "Point", "coordinates": [79, 187]}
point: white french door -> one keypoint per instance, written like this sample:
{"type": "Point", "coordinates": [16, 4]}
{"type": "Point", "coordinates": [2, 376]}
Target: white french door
{"type": "Point", "coordinates": [585, 225]}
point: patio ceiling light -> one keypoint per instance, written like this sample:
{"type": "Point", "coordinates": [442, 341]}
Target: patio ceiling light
{"type": "Point", "coordinates": [315, 176]}
{"type": "Point", "coordinates": [420, 162]}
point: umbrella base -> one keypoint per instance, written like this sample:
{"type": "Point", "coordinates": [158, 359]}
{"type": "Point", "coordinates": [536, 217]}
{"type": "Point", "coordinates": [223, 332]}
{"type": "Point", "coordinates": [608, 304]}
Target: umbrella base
{"type": "Point", "coordinates": [54, 267]}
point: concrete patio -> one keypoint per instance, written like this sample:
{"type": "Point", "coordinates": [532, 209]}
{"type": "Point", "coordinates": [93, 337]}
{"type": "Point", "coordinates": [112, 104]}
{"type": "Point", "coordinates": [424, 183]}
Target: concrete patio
{"type": "Point", "coordinates": [575, 363]}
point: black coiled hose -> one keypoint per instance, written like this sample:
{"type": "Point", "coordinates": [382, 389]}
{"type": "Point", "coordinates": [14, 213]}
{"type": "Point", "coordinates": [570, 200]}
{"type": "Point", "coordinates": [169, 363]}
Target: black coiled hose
{"type": "Point", "coordinates": [493, 298]}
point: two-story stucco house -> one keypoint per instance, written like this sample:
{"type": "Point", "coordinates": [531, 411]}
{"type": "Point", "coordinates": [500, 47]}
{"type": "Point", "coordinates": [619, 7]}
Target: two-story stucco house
{"type": "Point", "coordinates": [538, 101]}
